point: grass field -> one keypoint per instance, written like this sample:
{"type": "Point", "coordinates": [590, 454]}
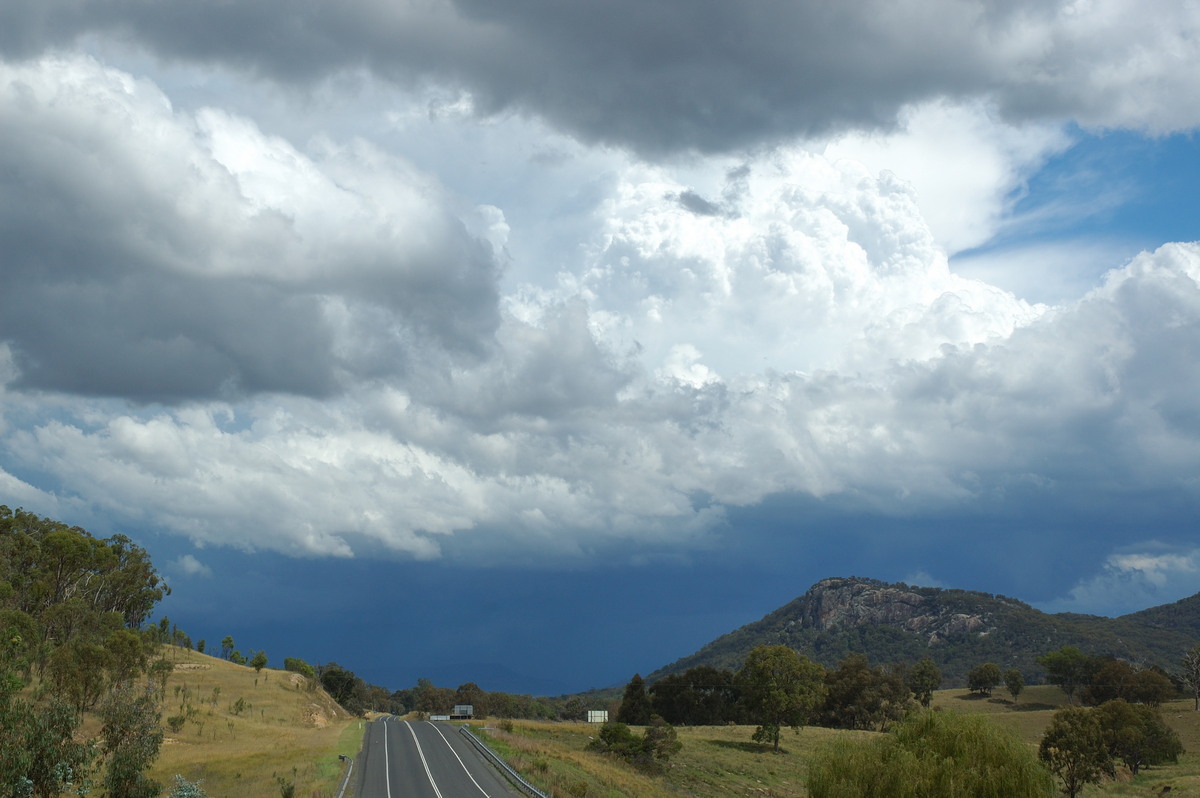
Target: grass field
{"type": "Point", "coordinates": [279, 730]}
{"type": "Point", "coordinates": [721, 761]}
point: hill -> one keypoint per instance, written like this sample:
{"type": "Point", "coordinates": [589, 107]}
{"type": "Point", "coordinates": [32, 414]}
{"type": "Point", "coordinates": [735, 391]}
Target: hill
{"type": "Point", "coordinates": [958, 629]}
{"type": "Point", "coordinates": [239, 731]}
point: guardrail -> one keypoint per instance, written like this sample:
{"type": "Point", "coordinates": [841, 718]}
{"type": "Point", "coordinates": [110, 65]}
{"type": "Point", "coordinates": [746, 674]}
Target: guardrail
{"type": "Point", "coordinates": [500, 763]}
{"type": "Point", "coordinates": [345, 779]}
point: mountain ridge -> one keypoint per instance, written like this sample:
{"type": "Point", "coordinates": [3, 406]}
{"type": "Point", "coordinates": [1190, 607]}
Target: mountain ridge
{"type": "Point", "coordinates": [957, 628]}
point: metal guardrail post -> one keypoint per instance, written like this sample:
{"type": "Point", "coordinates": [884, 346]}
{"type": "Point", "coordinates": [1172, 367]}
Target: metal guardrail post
{"type": "Point", "coordinates": [346, 779]}
{"type": "Point", "coordinates": [500, 763]}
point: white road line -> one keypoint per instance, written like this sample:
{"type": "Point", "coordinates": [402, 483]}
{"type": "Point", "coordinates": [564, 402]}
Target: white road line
{"type": "Point", "coordinates": [387, 776]}
{"type": "Point", "coordinates": [421, 753]}
{"type": "Point", "coordinates": [464, 764]}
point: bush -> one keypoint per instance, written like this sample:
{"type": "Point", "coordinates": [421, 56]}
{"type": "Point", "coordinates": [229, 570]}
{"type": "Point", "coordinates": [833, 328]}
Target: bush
{"type": "Point", "coordinates": [931, 755]}
{"type": "Point", "coordinates": [657, 744]}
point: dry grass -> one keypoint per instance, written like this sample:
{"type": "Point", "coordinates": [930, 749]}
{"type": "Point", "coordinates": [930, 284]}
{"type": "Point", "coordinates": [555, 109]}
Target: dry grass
{"type": "Point", "coordinates": [722, 761]}
{"type": "Point", "coordinates": [283, 729]}
{"type": "Point", "coordinates": [715, 762]}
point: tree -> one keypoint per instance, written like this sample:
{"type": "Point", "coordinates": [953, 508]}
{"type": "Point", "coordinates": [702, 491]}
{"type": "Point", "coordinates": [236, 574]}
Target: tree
{"type": "Point", "coordinates": [780, 688]}
{"type": "Point", "coordinates": [474, 695]}
{"type": "Point", "coordinates": [1073, 748]}
{"type": "Point", "coordinates": [923, 679]}
{"type": "Point", "coordinates": [39, 752]}
{"type": "Point", "coordinates": [1015, 682]}
{"type": "Point", "coordinates": [1067, 668]}
{"type": "Point", "coordinates": [344, 686]}
{"type": "Point", "coordinates": [635, 705]}
{"type": "Point", "coordinates": [297, 665]}
{"type": "Point", "coordinates": [931, 755]}
{"type": "Point", "coordinates": [1137, 734]}
{"type": "Point", "coordinates": [131, 739]}
{"type": "Point", "coordinates": [237, 658]}
{"type": "Point", "coordinates": [78, 672]}
{"type": "Point", "coordinates": [660, 740]}
{"type": "Point", "coordinates": [858, 696]}
{"type": "Point", "coordinates": [1191, 674]}
{"type": "Point", "coordinates": [700, 696]}
{"type": "Point", "coordinates": [983, 678]}
{"type": "Point", "coordinates": [226, 646]}
{"type": "Point", "coordinates": [1114, 678]}
{"type": "Point", "coordinates": [258, 661]}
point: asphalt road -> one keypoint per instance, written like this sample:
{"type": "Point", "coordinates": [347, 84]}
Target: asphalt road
{"type": "Point", "coordinates": [404, 759]}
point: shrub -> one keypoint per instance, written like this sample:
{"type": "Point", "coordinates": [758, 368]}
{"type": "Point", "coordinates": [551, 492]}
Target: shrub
{"type": "Point", "coordinates": [931, 755]}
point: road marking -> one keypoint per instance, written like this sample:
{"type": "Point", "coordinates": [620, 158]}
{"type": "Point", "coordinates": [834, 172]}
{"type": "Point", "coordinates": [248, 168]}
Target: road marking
{"type": "Point", "coordinates": [464, 764]}
{"type": "Point", "coordinates": [387, 776]}
{"type": "Point", "coordinates": [421, 753]}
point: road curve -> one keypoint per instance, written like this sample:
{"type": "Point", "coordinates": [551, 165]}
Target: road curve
{"type": "Point", "coordinates": [421, 759]}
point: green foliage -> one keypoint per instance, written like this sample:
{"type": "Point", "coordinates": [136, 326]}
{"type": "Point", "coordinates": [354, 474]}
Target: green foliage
{"type": "Point", "coordinates": [1014, 681]}
{"type": "Point", "coordinates": [657, 744]}
{"type": "Point", "coordinates": [352, 693]}
{"type": "Point", "coordinates": [226, 646]}
{"type": "Point", "coordinates": [1113, 678]}
{"type": "Point", "coordinates": [779, 687]}
{"type": "Point", "coordinates": [237, 658]}
{"type": "Point", "coordinates": [39, 753]}
{"type": "Point", "coordinates": [1073, 748]}
{"type": "Point", "coordinates": [859, 696]}
{"type": "Point", "coordinates": [258, 661]}
{"type": "Point", "coordinates": [923, 679]}
{"type": "Point", "coordinates": [700, 696]}
{"type": "Point", "coordinates": [635, 705]}
{"type": "Point", "coordinates": [131, 738]}
{"type": "Point", "coordinates": [1137, 735]}
{"type": "Point", "coordinates": [931, 755]}
{"type": "Point", "coordinates": [1068, 668]}
{"type": "Point", "coordinates": [983, 678]}
{"type": "Point", "coordinates": [72, 607]}
{"type": "Point", "coordinates": [46, 563]}
{"type": "Point", "coordinates": [297, 665]}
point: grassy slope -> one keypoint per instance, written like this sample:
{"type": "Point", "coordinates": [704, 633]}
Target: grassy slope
{"type": "Point", "coordinates": [722, 762]}
{"type": "Point", "coordinates": [284, 730]}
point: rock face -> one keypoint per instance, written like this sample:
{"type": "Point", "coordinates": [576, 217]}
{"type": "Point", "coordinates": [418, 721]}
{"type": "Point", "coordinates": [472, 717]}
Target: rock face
{"type": "Point", "coordinates": [838, 604]}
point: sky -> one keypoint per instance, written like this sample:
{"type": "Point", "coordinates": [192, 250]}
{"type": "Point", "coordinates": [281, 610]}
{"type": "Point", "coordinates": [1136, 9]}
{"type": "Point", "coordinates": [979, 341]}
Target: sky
{"type": "Point", "coordinates": [538, 344]}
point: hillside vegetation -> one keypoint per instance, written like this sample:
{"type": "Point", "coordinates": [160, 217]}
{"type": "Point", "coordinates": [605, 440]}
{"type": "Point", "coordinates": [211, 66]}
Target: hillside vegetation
{"type": "Point", "coordinates": [957, 629]}
{"type": "Point", "coordinates": [95, 700]}
{"type": "Point", "coordinates": [242, 733]}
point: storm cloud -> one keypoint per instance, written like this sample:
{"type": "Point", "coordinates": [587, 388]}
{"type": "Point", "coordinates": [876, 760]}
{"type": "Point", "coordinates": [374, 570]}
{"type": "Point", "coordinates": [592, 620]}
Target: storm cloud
{"type": "Point", "coordinates": [703, 75]}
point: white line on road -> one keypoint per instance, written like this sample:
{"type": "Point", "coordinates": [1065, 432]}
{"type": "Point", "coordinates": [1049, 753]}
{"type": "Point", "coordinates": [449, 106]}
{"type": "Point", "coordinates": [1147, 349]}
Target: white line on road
{"type": "Point", "coordinates": [387, 776]}
{"type": "Point", "coordinates": [421, 753]}
{"type": "Point", "coordinates": [464, 764]}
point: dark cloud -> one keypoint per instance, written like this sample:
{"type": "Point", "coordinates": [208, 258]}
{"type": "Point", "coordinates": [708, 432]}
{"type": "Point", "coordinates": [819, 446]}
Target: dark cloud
{"type": "Point", "coordinates": [138, 264]}
{"type": "Point", "coordinates": [697, 204]}
{"type": "Point", "coordinates": [693, 74]}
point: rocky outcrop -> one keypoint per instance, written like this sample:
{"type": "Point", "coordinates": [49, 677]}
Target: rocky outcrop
{"type": "Point", "coordinates": [838, 604]}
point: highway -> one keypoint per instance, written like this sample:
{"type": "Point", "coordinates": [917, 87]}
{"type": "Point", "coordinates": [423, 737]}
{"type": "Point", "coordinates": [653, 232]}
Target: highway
{"type": "Point", "coordinates": [422, 759]}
